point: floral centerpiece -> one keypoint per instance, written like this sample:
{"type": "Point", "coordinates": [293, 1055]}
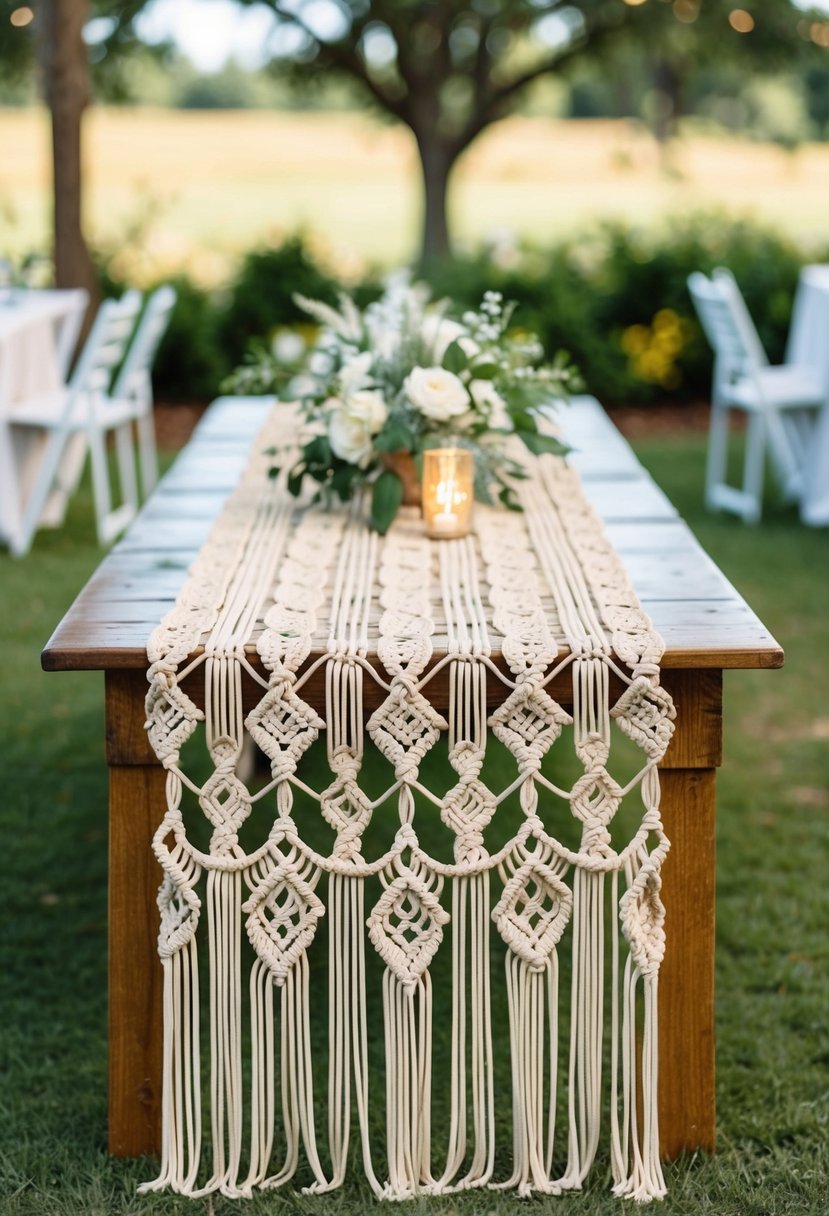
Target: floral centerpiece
{"type": "Point", "coordinates": [383, 385]}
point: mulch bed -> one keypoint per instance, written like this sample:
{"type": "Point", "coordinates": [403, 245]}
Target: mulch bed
{"type": "Point", "coordinates": [174, 421]}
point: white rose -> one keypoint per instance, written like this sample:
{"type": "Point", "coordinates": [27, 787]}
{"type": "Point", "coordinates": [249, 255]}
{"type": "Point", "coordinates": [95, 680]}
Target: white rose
{"type": "Point", "coordinates": [438, 333]}
{"type": "Point", "coordinates": [437, 393]}
{"type": "Point", "coordinates": [353, 423]}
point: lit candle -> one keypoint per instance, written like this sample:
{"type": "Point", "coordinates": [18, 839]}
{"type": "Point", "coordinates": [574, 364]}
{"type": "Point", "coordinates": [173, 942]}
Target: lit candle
{"type": "Point", "coordinates": [447, 491]}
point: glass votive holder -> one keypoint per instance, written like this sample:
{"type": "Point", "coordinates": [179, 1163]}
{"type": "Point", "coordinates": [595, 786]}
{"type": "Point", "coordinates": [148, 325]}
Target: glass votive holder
{"type": "Point", "coordinates": [448, 492]}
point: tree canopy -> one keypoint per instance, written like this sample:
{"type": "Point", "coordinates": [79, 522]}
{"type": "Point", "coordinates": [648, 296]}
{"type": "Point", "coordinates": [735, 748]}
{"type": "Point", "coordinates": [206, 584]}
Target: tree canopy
{"type": "Point", "coordinates": [448, 69]}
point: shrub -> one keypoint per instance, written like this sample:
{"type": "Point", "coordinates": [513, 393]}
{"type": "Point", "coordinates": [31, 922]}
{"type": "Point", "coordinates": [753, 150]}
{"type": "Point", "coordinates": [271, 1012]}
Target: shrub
{"type": "Point", "coordinates": [261, 296]}
{"type": "Point", "coordinates": [191, 361]}
{"type": "Point", "coordinates": [616, 298]}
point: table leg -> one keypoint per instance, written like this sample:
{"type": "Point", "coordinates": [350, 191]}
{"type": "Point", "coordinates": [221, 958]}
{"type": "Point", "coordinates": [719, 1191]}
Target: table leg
{"type": "Point", "coordinates": [136, 806]}
{"type": "Point", "coordinates": [687, 1104]}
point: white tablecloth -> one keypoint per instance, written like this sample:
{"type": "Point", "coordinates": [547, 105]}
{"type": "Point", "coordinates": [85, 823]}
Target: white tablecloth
{"type": "Point", "coordinates": [37, 329]}
{"type": "Point", "coordinates": [809, 345]}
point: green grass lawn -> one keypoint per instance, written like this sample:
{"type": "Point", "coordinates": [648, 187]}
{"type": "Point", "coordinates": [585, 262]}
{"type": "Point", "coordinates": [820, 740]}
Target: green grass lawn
{"type": "Point", "coordinates": [773, 940]}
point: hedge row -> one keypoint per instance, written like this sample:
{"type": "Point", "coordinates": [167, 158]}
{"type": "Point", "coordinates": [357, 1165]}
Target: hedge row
{"type": "Point", "coordinates": [615, 298]}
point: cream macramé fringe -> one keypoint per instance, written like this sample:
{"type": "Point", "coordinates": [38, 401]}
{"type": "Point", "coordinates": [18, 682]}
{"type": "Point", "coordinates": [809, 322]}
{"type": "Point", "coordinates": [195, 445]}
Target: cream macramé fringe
{"type": "Point", "coordinates": [287, 578]}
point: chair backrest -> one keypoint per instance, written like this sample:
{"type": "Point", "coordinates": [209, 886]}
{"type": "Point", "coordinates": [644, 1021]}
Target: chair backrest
{"type": "Point", "coordinates": [105, 346]}
{"type": "Point", "coordinates": [727, 324]}
{"type": "Point", "coordinates": [135, 370]}
{"type": "Point", "coordinates": [723, 277]}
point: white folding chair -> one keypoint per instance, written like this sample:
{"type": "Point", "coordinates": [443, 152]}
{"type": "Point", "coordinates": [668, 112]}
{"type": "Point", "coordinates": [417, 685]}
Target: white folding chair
{"type": "Point", "coordinates": [134, 381]}
{"type": "Point", "coordinates": [84, 407]}
{"type": "Point", "coordinates": [780, 402]}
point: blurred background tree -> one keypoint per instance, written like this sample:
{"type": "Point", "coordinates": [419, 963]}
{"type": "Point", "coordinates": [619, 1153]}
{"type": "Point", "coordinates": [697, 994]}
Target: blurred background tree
{"type": "Point", "coordinates": [448, 69]}
{"type": "Point", "coordinates": [76, 44]}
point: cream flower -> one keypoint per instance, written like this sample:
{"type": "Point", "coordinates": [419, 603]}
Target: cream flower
{"type": "Point", "coordinates": [437, 393]}
{"type": "Point", "coordinates": [353, 423]}
{"type": "Point", "coordinates": [489, 401]}
{"type": "Point", "coordinates": [355, 374]}
{"type": "Point", "coordinates": [438, 333]}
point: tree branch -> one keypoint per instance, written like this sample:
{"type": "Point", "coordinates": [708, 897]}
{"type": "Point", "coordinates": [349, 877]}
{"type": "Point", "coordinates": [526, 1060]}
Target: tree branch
{"type": "Point", "coordinates": [346, 59]}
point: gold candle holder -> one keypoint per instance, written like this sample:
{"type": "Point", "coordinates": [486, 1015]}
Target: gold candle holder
{"type": "Point", "coordinates": [447, 492]}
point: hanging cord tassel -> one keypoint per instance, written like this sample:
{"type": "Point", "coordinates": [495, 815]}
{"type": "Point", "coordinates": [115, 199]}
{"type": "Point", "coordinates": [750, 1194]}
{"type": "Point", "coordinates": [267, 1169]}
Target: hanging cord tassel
{"type": "Point", "coordinates": [587, 1021]}
{"type": "Point", "coordinates": [181, 1125]}
{"type": "Point", "coordinates": [471, 1039]}
{"type": "Point", "coordinates": [642, 915]}
{"type": "Point", "coordinates": [347, 1025]}
{"type": "Point", "coordinates": [467, 809]}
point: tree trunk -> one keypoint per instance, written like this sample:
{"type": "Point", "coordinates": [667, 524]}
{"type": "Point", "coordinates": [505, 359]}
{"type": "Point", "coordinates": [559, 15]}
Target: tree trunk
{"type": "Point", "coordinates": [66, 86]}
{"type": "Point", "coordinates": [436, 161]}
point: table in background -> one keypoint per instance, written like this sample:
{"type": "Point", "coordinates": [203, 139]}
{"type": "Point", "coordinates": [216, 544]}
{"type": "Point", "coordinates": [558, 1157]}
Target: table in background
{"type": "Point", "coordinates": [38, 333]}
{"type": "Point", "coordinates": [809, 345]}
{"type": "Point", "coordinates": [706, 626]}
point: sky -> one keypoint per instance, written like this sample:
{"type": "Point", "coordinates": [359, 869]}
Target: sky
{"type": "Point", "coordinates": [210, 31]}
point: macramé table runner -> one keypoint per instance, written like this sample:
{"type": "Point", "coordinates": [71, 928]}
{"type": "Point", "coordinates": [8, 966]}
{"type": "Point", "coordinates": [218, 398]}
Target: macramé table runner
{"type": "Point", "coordinates": [541, 874]}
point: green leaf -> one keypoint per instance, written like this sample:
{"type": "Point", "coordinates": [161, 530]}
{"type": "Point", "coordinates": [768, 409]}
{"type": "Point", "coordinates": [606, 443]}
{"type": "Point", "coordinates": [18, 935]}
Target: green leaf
{"type": "Point", "coordinates": [394, 437]}
{"type": "Point", "coordinates": [455, 360]}
{"type": "Point", "coordinates": [538, 443]}
{"type": "Point", "coordinates": [274, 471]}
{"type": "Point", "coordinates": [318, 451]}
{"type": "Point", "coordinates": [507, 497]}
{"type": "Point", "coordinates": [342, 481]}
{"type": "Point", "coordinates": [295, 477]}
{"type": "Point", "coordinates": [484, 371]}
{"type": "Point", "coordinates": [386, 498]}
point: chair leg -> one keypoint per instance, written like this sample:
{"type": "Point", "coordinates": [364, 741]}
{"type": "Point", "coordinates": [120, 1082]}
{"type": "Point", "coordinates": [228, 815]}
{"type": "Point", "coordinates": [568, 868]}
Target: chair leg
{"type": "Point", "coordinates": [20, 544]}
{"type": "Point", "coordinates": [715, 468]}
{"type": "Point", "coordinates": [126, 467]}
{"type": "Point", "coordinates": [101, 491]}
{"type": "Point", "coordinates": [753, 468]}
{"type": "Point", "coordinates": [147, 453]}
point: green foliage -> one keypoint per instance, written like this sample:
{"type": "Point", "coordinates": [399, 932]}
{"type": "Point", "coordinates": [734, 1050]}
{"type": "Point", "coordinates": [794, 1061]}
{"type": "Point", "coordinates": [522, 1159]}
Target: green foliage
{"type": "Point", "coordinates": [613, 297]}
{"type": "Point", "coordinates": [191, 361]}
{"type": "Point", "coordinates": [616, 298]}
{"type": "Point", "coordinates": [262, 295]}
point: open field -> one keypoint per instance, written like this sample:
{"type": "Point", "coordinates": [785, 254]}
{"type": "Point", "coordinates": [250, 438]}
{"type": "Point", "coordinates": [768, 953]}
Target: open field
{"type": "Point", "coordinates": [211, 184]}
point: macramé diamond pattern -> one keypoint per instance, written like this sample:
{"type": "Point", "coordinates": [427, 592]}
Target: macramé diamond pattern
{"type": "Point", "coordinates": [645, 713]}
{"type": "Point", "coordinates": [171, 717]}
{"type": "Point", "coordinates": [528, 724]}
{"type": "Point", "coordinates": [284, 727]}
{"type": "Point", "coordinates": [405, 928]}
{"type": "Point", "coordinates": [282, 915]}
{"type": "Point", "coordinates": [533, 912]}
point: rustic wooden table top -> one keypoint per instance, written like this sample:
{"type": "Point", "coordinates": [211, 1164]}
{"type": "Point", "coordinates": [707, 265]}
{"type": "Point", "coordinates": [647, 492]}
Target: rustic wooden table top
{"type": "Point", "coordinates": [704, 621]}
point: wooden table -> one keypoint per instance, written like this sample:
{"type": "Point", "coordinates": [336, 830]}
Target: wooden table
{"type": "Point", "coordinates": [706, 625]}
